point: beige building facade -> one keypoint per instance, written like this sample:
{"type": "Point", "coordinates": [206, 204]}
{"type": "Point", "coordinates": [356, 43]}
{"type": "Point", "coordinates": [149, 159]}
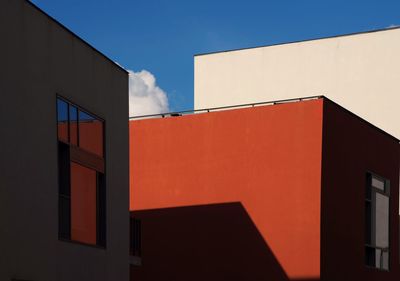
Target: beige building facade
{"type": "Point", "coordinates": [359, 71]}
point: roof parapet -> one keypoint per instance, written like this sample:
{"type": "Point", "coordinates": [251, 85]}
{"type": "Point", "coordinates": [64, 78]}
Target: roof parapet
{"type": "Point", "coordinates": [213, 109]}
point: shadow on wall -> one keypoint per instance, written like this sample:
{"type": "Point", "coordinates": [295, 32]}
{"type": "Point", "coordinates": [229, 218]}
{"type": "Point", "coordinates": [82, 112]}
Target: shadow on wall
{"type": "Point", "coordinates": [207, 242]}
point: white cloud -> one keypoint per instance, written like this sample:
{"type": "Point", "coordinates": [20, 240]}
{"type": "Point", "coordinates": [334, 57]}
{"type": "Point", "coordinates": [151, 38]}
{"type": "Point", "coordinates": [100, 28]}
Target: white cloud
{"type": "Point", "coordinates": [145, 97]}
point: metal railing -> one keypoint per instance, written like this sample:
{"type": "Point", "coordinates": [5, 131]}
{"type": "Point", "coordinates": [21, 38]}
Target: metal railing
{"type": "Point", "coordinates": [212, 109]}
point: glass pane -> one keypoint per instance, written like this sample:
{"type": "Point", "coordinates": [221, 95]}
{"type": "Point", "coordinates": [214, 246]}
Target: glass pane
{"type": "Point", "coordinates": [73, 125]}
{"type": "Point", "coordinates": [382, 221]}
{"type": "Point", "coordinates": [90, 133]}
{"type": "Point", "coordinates": [378, 183]}
{"type": "Point", "coordinates": [62, 120]}
{"type": "Point", "coordinates": [369, 256]}
{"type": "Point", "coordinates": [378, 254]}
{"type": "Point", "coordinates": [83, 204]}
{"type": "Point", "coordinates": [63, 169]}
{"type": "Point", "coordinates": [385, 260]}
{"type": "Point", "coordinates": [135, 233]}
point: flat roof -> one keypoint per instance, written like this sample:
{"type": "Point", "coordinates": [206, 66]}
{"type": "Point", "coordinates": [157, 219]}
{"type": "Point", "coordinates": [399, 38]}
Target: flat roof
{"type": "Point", "coordinates": [74, 34]}
{"type": "Point", "coordinates": [301, 41]}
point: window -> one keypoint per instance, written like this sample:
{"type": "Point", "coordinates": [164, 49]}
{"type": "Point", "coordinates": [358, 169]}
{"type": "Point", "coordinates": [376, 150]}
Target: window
{"type": "Point", "coordinates": [377, 251]}
{"type": "Point", "coordinates": [81, 175]}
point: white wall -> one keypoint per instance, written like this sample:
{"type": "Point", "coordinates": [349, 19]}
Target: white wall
{"type": "Point", "coordinates": [360, 72]}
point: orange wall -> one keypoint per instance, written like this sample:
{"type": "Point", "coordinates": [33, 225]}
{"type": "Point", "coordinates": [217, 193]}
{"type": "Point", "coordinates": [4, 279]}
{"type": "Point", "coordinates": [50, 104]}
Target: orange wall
{"type": "Point", "coordinates": [266, 158]}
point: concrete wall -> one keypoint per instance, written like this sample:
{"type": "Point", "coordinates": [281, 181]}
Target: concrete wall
{"type": "Point", "coordinates": [361, 72]}
{"type": "Point", "coordinates": [39, 59]}
{"type": "Point", "coordinates": [230, 195]}
{"type": "Point", "coordinates": [351, 148]}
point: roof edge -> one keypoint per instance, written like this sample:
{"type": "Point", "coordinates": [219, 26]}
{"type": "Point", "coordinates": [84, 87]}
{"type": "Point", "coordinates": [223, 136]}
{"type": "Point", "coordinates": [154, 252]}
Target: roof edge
{"type": "Point", "coordinates": [361, 119]}
{"type": "Point", "coordinates": [252, 105]}
{"type": "Point", "coordinates": [301, 41]}
{"type": "Point", "coordinates": [75, 35]}
{"type": "Point", "coordinates": [228, 107]}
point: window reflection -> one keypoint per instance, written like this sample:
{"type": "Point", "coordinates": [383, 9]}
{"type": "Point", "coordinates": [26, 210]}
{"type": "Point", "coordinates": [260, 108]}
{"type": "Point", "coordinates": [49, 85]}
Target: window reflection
{"type": "Point", "coordinates": [90, 133]}
{"type": "Point", "coordinates": [83, 204]}
{"type": "Point", "coordinates": [79, 128]}
{"type": "Point", "coordinates": [73, 125]}
{"type": "Point", "coordinates": [82, 193]}
{"type": "Point", "coordinates": [378, 183]}
{"type": "Point", "coordinates": [62, 120]}
{"type": "Point", "coordinates": [382, 221]}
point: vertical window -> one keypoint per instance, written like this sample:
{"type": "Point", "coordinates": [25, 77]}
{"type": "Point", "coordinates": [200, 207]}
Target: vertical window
{"type": "Point", "coordinates": [377, 213]}
{"type": "Point", "coordinates": [82, 194]}
{"type": "Point", "coordinates": [136, 237]}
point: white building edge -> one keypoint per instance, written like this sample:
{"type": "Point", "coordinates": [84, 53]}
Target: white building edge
{"type": "Point", "coordinates": [359, 71]}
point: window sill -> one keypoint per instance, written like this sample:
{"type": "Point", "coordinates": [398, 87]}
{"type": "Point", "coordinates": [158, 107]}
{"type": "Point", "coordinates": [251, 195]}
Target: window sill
{"type": "Point", "coordinates": [82, 243]}
{"type": "Point", "coordinates": [376, 269]}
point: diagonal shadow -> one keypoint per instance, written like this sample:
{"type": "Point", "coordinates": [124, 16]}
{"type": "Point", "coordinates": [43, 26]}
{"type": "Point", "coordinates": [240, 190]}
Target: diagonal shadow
{"type": "Point", "coordinates": [207, 242]}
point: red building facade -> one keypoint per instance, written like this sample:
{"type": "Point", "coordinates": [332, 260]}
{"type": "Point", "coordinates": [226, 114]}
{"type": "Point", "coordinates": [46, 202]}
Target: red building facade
{"type": "Point", "coordinates": [274, 192]}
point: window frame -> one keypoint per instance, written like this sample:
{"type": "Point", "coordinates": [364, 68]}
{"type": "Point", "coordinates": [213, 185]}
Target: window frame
{"type": "Point", "coordinates": [386, 192]}
{"type": "Point", "coordinates": [100, 171]}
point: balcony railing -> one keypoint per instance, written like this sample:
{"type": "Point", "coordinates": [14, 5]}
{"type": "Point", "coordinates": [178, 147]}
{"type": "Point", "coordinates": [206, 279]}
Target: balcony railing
{"type": "Point", "coordinates": [213, 109]}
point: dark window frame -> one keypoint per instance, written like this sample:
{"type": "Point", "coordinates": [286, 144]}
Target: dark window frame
{"type": "Point", "coordinates": [370, 223]}
{"type": "Point", "coordinates": [101, 190]}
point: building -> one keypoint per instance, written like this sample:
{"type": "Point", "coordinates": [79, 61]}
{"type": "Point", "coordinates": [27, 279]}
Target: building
{"type": "Point", "coordinates": [64, 182]}
{"type": "Point", "coordinates": [359, 71]}
{"type": "Point", "coordinates": [289, 190]}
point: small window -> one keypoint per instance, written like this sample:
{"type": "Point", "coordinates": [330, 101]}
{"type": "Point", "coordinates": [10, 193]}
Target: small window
{"type": "Point", "coordinates": [81, 175]}
{"type": "Point", "coordinates": [377, 250]}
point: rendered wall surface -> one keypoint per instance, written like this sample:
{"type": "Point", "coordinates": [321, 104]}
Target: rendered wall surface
{"type": "Point", "coordinates": [360, 72]}
{"type": "Point", "coordinates": [351, 148]}
{"type": "Point", "coordinates": [40, 59]}
{"type": "Point", "coordinates": [229, 195]}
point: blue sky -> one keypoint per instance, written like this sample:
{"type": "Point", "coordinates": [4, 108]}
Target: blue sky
{"type": "Point", "coordinates": [162, 36]}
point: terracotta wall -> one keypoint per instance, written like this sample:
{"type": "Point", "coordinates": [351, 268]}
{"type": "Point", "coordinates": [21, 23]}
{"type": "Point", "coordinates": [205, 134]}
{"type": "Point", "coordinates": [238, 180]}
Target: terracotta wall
{"type": "Point", "coordinates": [255, 171]}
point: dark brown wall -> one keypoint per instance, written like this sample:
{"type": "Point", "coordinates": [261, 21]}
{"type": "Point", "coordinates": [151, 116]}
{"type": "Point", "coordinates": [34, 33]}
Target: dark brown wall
{"type": "Point", "coordinates": [351, 147]}
{"type": "Point", "coordinates": [39, 59]}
